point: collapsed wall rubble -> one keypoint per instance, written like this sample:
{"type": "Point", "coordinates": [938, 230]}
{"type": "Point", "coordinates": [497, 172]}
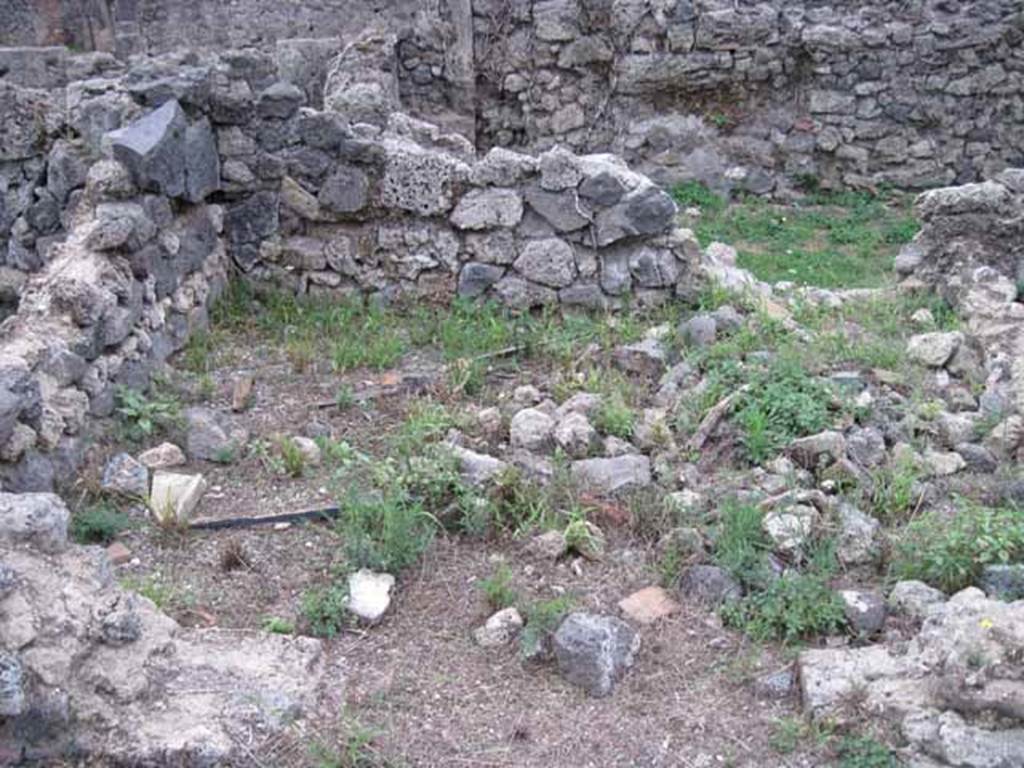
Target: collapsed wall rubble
{"type": "Point", "coordinates": [91, 670]}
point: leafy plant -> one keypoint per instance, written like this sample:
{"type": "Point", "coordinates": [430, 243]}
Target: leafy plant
{"type": "Point", "coordinates": [278, 625]}
{"type": "Point", "coordinates": [142, 416]}
{"type": "Point", "coordinates": [791, 608]}
{"type": "Point", "coordinates": [695, 194]}
{"type": "Point", "coordinates": [98, 524]}
{"type": "Point", "coordinates": [741, 545]}
{"type": "Point", "coordinates": [498, 589]}
{"type": "Point", "coordinates": [345, 397]}
{"type": "Point", "coordinates": [542, 619]}
{"type": "Point", "coordinates": [892, 488]}
{"type": "Point", "coordinates": [782, 402]}
{"type": "Point", "coordinates": [292, 457]}
{"type": "Point", "coordinates": [323, 609]}
{"type": "Point", "coordinates": [949, 552]}
{"type": "Point", "coordinates": [864, 752]}
{"type": "Point", "coordinates": [614, 417]}
{"type": "Point", "coordinates": [384, 531]}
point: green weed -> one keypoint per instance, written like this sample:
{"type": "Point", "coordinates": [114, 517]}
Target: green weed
{"type": "Point", "coordinates": [384, 531]}
{"type": "Point", "coordinates": [498, 589]}
{"type": "Point", "coordinates": [542, 619]}
{"type": "Point", "coordinates": [864, 752]}
{"type": "Point", "coordinates": [98, 524]}
{"type": "Point", "coordinates": [278, 626]}
{"type": "Point", "coordinates": [142, 417]}
{"type": "Point", "coordinates": [323, 609]}
{"type": "Point", "coordinates": [949, 551]}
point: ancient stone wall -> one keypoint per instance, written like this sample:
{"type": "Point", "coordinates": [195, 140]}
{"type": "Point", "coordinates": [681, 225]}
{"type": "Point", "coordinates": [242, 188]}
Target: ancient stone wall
{"type": "Point", "coordinates": [119, 186]}
{"type": "Point", "coordinates": [916, 94]}
{"type": "Point", "coordinates": [742, 95]}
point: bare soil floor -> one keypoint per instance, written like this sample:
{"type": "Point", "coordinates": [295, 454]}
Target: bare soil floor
{"type": "Point", "coordinates": [416, 690]}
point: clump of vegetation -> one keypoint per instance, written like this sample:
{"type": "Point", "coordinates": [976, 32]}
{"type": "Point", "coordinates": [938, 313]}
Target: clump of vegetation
{"type": "Point", "coordinates": [384, 532]}
{"type": "Point", "coordinates": [892, 489]}
{"type": "Point", "coordinates": [829, 239]}
{"type": "Point", "coordinates": [142, 416]}
{"type": "Point", "coordinates": [98, 524]}
{"type": "Point", "coordinates": [278, 626]}
{"type": "Point", "coordinates": [790, 607]}
{"type": "Point", "coordinates": [782, 402]}
{"type": "Point", "coordinates": [323, 609]}
{"type": "Point", "coordinates": [498, 589]}
{"type": "Point", "coordinates": [614, 417]}
{"type": "Point", "coordinates": [292, 457]}
{"type": "Point", "coordinates": [542, 619]}
{"type": "Point", "coordinates": [234, 555]}
{"type": "Point", "coordinates": [864, 752]}
{"type": "Point", "coordinates": [949, 551]}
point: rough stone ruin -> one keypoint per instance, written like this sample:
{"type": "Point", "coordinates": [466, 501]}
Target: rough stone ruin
{"type": "Point", "coordinates": [515, 150]}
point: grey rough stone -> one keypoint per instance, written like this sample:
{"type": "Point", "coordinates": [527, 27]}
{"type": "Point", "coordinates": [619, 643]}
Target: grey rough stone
{"type": "Point", "coordinates": [345, 190]}
{"type": "Point", "coordinates": [12, 686]}
{"type": "Point", "coordinates": [549, 262]}
{"type": "Point", "coordinates": [559, 209]}
{"type": "Point", "coordinates": [645, 211]}
{"type": "Point", "coordinates": [865, 611]}
{"type": "Point", "coordinates": [123, 474]}
{"type": "Point", "coordinates": [645, 358]}
{"type": "Point", "coordinates": [608, 476]}
{"type": "Point", "coordinates": [915, 599]}
{"type": "Point", "coordinates": [593, 652]}
{"type": "Point", "coordinates": [488, 208]}
{"type": "Point", "coordinates": [531, 429]}
{"type": "Point", "coordinates": [699, 330]}
{"type": "Point", "coordinates": [709, 584]}
{"type": "Point", "coordinates": [202, 162]}
{"type": "Point", "coordinates": [475, 278]}
{"type": "Point", "coordinates": [1005, 582]}
{"type": "Point", "coordinates": [153, 149]}
{"type": "Point", "coordinates": [933, 349]}
{"type": "Point", "coordinates": [857, 542]}
{"type": "Point", "coordinates": [280, 100]}
{"type": "Point", "coordinates": [575, 435]}
{"type": "Point", "coordinates": [977, 457]}
{"type": "Point", "coordinates": [866, 446]}
{"type": "Point", "coordinates": [37, 519]}
{"type": "Point", "coordinates": [206, 437]}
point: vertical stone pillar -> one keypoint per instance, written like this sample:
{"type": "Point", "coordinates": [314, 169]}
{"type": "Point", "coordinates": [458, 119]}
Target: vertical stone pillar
{"type": "Point", "coordinates": [459, 62]}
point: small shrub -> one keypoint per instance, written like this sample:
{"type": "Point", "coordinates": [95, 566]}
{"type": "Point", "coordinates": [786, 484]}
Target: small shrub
{"type": "Point", "coordinates": [323, 609]}
{"type": "Point", "coordinates": [278, 626]}
{"type": "Point", "coordinates": [542, 619]}
{"type": "Point", "coordinates": [98, 524]}
{"type": "Point", "coordinates": [864, 752]}
{"type": "Point", "coordinates": [695, 194]}
{"type": "Point", "coordinates": [949, 552]}
{"type": "Point", "coordinates": [892, 489]}
{"type": "Point", "coordinates": [143, 416]}
{"type": "Point", "coordinates": [384, 532]}
{"type": "Point", "coordinates": [614, 417]}
{"type": "Point", "coordinates": [292, 458]}
{"type": "Point", "coordinates": [791, 608]}
{"type": "Point", "coordinates": [741, 546]}
{"type": "Point", "coordinates": [345, 397]}
{"type": "Point", "coordinates": [164, 595]}
{"type": "Point", "coordinates": [782, 403]}
{"type": "Point", "coordinates": [498, 589]}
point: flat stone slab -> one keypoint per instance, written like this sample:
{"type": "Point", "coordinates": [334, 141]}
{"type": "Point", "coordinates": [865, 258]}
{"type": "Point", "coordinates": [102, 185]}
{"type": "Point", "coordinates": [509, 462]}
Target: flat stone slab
{"type": "Point", "coordinates": [648, 605]}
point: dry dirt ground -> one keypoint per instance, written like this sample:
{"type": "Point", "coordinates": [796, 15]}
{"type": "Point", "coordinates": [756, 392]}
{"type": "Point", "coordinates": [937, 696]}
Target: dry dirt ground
{"type": "Point", "coordinates": [416, 690]}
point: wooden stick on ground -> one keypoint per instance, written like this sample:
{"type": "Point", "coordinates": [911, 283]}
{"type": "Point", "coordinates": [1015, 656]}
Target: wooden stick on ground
{"type": "Point", "coordinates": [713, 418]}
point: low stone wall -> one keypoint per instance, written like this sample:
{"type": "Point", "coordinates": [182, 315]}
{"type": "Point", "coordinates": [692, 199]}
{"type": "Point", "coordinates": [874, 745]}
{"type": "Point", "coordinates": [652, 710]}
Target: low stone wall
{"type": "Point", "coordinates": [128, 179]}
{"type": "Point", "coordinates": [133, 278]}
{"type": "Point", "coordinates": [970, 249]}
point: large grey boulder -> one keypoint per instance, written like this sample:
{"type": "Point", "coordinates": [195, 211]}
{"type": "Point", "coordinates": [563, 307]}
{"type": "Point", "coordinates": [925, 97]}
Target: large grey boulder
{"type": "Point", "coordinates": [202, 162]}
{"type": "Point", "coordinates": [153, 149]}
{"type": "Point", "coordinates": [709, 584]}
{"type": "Point", "coordinates": [549, 262]}
{"type": "Point", "coordinates": [607, 476]}
{"type": "Point", "coordinates": [37, 519]}
{"type": "Point", "coordinates": [210, 437]}
{"type": "Point", "coordinates": [594, 651]}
